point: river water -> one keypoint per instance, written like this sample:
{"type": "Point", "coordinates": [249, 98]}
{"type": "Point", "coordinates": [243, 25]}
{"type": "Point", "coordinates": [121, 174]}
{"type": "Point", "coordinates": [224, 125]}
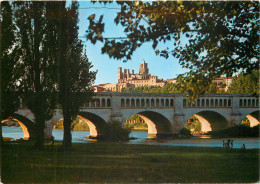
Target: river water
{"type": "Point", "coordinates": [141, 138]}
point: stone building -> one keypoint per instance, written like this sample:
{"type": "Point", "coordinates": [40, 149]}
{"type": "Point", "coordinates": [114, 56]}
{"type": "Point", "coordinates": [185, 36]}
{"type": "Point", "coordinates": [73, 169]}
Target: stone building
{"type": "Point", "coordinates": [223, 83]}
{"type": "Point", "coordinates": [127, 79]}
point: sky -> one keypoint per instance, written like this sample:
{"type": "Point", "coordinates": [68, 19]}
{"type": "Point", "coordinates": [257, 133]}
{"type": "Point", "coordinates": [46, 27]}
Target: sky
{"type": "Point", "coordinates": [107, 67]}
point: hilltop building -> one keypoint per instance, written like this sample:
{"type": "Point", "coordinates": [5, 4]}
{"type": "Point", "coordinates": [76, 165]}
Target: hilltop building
{"type": "Point", "coordinates": [127, 79]}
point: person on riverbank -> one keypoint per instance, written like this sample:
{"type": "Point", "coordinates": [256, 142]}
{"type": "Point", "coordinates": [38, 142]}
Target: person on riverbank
{"type": "Point", "coordinates": [52, 140]}
{"type": "Point", "coordinates": [243, 147]}
{"type": "Point", "coordinates": [231, 144]}
{"type": "Point", "coordinates": [226, 143]}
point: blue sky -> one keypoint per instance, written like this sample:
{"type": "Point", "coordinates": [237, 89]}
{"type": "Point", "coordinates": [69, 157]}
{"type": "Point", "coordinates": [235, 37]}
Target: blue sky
{"type": "Point", "coordinates": [107, 68]}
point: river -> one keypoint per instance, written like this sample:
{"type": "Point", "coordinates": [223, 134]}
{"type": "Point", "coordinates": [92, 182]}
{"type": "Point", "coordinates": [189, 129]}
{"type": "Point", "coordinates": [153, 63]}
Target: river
{"type": "Point", "coordinates": [141, 138]}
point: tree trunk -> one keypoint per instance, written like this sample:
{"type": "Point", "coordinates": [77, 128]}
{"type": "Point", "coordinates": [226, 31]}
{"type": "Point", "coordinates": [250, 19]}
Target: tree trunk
{"type": "Point", "coordinates": [67, 138]}
{"type": "Point", "coordinates": [39, 134]}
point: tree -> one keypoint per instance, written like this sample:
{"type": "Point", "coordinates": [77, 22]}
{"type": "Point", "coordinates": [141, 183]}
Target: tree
{"type": "Point", "coordinates": [9, 99]}
{"type": "Point", "coordinates": [221, 36]}
{"type": "Point", "coordinates": [75, 77]}
{"type": "Point", "coordinates": [36, 60]}
{"type": "Point", "coordinates": [245, 83]}
{"type": "Point", "coordinates": [212, 88]}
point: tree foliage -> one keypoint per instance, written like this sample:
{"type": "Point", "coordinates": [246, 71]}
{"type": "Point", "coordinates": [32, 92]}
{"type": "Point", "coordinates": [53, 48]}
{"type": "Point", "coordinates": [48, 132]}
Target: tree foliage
{"type": "Point", "coordinates": [221, 37]}
{"type": "Point", "coordinates": [35, 66]}
{"type": "Point", "coordinates": [245, 83]}
{"type": "Point", "coordinates": [9, 97]}
{"type": "Point", "coordinates": [46, 60]}
{"type": "Point", "coordinates": [75, 77]}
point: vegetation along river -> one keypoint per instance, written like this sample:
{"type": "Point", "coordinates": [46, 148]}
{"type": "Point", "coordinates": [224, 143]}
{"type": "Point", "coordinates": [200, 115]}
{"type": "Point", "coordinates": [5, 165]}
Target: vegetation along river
{"type": "Point", "coordinates": [141, 138]}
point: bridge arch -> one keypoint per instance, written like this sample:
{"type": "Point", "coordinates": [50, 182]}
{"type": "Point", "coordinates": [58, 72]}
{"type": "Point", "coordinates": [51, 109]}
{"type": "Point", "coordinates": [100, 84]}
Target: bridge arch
{"type": "Point", "coordinates": [157, 123]}
{"type": "Point", "coordinates": [210, 120]}
{"type": "Point", "coordinates": [95, 123]}
{"type": "Point", "coordinates": [254, 118]}
{"type": "Point", "coordinates": [26, 124]}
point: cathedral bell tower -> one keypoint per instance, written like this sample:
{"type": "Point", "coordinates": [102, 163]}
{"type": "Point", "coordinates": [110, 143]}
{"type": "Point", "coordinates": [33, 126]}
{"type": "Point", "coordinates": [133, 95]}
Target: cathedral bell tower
{"type": "Point", "coordinates": [143, 70]}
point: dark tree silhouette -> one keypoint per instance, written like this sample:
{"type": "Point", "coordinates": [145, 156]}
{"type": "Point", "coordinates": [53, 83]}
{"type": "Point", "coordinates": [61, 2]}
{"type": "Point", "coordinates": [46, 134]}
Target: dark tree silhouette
{"type": "Point", "coordinates": [35, 62]}
{"type": "Point", "coordinates": [75, 77]}
{"type": "Point", "coordinates": [9, 98]}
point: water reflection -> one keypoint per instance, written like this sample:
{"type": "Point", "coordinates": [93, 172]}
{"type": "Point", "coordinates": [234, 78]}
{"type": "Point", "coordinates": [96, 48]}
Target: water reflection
{"type": "Point", "coordinates": [141, 138]}
{"type": "Point", "coordinates": [203, 136]}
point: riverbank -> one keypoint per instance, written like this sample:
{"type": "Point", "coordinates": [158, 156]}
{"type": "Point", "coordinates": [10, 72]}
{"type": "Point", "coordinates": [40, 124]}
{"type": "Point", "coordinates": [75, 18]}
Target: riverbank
{"type": "Point", "coordinates": [126, 163]}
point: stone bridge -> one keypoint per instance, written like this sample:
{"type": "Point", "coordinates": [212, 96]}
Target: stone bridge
{"type": "Point", "coordinates": [165, 113]}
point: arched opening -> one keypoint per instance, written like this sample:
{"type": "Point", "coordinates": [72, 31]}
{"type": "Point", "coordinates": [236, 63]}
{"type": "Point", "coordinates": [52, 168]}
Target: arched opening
{"type": "Point", "coordinates": [86, 124]}
{"type": "Point", "coordinates": [133, 103]}
{"type": "Point", "coordinates": [198, 102]}
{"type": "Point", "coordinates": [220, 103]}
{"type": "Point", "coordinates": [127, 103]}
{"type": "Point", "coordinates": [153, 123]}
{"type": "Point", "coordinates": [152, 102]}
{"type": "Point", "coordinates": [197, 125]}
{"type": "Point", "coordinates": [97, 102]}
{"type": "Point", "coordinates": [137, 103]}
{"type": "Point", "coordinates": [92, 102]}
{"type": "Point", "coordinates": [79, 129]}
{"type": "Point", "coordinates": [212, 103]}
{"type": "Point", "coordinates": [137, 126]}
{"type": "Point", "coordinates": [207, 102]}
{"type": "Point", "coordinates": [202, 103]}
{"type": "Point", "coordinates": [11, 130]}
{"type": "Point", "coordinates": [122, 102]}
{"type": "Point", "coordinates": [142, 103]}
{"type": "Point", "coordinates": [95, 123]}
{"type": "Point", "coordinates": [108, 103]}
{"type": "Point", "coordinates": [167, 103]}
{"type": "Point", "coordinates": [162, 102]}
{"type": "Point", "coordinates": [216, 102]}
{"type": "Point", "coordinates": [25, 130]}
{"type": "Point", "coordinates": [205, 121]}
{"type": "Point", "coordinates": [171, 103]}
{"type": "Point", "coordinates": [225, 102]}
{"type": "Point", "coordinates": [157, 103]}
{"type": "Point", "coordinates": [252, 119]}
{"type": "Point", "coordinates": [147, 103]}
{"type": "Point", "coordinates": [103, 102]}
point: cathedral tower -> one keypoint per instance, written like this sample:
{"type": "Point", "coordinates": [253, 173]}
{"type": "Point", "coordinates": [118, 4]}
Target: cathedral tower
{"type": "Point", "coordinates": [143, 69]}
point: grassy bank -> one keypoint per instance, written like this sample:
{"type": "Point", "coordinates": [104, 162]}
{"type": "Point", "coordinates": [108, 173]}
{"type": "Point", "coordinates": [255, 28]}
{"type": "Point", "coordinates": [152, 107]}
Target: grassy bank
{"type": "Point", "coordinates": [117, 162]}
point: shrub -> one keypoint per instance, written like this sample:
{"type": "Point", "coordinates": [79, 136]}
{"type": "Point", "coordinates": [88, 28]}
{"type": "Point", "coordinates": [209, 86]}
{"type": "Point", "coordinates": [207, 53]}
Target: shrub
{"type": "Point", "coordinates": [81, 126]}
{"type": "Point", "coordinates": [237, 131]}
{"type": "Point", "coordinates": [4, 124]}
{"type": "Point", "coordinates": [114, 132]}
{"type": "Point", "coordinates": [185, 131]}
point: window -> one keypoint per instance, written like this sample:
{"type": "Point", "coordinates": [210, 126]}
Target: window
{"type": "Point", "coordinates": [108, 103]}
{"type": "Point", "coordinates": [122, 102]}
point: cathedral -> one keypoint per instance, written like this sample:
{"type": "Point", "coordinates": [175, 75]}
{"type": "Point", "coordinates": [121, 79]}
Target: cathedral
{"type": "Point", "coordinates": [127, 79]}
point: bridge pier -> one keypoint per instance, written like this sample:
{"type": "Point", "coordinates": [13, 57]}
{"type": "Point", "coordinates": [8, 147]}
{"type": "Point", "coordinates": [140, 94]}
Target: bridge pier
{"type": "Point", "coordinates": [178, 122]}
{"type": "Point", "coordinates": [48, 129]}
{"type": "Point", "coordinates": [116, 117]}
{"type": "Point", "coordinates": [235, 119]}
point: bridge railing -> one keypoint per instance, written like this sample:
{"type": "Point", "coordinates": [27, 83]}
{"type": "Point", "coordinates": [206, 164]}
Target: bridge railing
{"type": "Point", "coordinates": [248, 102]}
{"type": "Point", "coordinates": [221, 102]}
{"type": "Point", "coordinates": [147, 102]}
{"type": "Point", "coordinates": [209, 102]}
{"type": "Point", "coordinates": [99, 102]}
{"type": "Point", "coordinates": [167, 101]}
